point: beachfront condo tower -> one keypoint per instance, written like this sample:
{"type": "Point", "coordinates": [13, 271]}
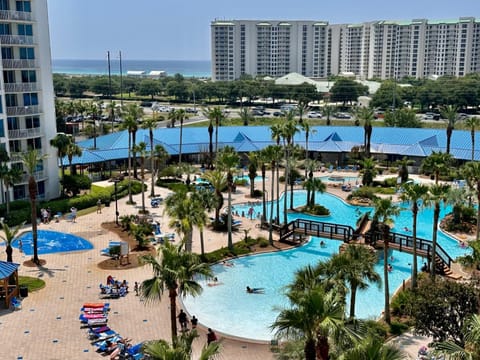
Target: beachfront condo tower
{"type": "Point", "coordinates": [377, 49]}
{"type": "Point", "coordinates": [27, 112]}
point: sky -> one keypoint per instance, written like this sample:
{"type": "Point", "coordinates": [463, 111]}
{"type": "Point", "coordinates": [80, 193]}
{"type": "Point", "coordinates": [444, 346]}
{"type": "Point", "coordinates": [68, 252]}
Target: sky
{"type": "Point", "coordinates": [180, 29]}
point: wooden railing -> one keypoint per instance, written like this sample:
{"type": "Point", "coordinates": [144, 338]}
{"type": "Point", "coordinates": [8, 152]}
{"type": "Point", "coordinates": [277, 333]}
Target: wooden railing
{"type": "Point", "coordinates": [405, 243]}
{"type": "Point", "coordinates": [316, 228]}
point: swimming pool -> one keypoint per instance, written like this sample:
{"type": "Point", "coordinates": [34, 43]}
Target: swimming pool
{"type": "Point", "coordinates": [340, 179]}
{"type": "Point", "coordinates": [49, 242]}
{"type": "Point", "coordinates": [245, 177]}
{"type": "Point", "coordinates": [230, 309]}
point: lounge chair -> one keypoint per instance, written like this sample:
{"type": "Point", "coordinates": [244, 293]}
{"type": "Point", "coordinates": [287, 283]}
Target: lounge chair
{"type": "Point", "coordinates": [16, 303]}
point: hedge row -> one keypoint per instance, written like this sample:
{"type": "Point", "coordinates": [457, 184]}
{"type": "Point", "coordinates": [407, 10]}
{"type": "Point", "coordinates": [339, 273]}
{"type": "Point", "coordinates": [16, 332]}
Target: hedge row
{"type": "Point", "coordinates": [20, 210]}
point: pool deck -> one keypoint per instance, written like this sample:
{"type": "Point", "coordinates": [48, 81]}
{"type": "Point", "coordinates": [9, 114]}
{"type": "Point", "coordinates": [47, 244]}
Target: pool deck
{"type": "Point", "coordinates": [47, 326]}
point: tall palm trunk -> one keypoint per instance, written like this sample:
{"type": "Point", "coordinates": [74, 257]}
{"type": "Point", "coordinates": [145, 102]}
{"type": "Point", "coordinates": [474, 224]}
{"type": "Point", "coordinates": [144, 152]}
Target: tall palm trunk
{"type": "Point", "coordinates": [264, 205]}
{"type": "Point", "coordinates": [309, 350]}
{"type": "Point", "coordinates": [436, 216]}
{"type": "Point", "coordinates": [323, 348]}
{"type": "Point", "coordinates": [130, 198]}
{"type": "Point", "coordinates": [32, 190]}
{"type": "Point", "coordinates": [188, 241]}
{"type": "Point", "coordinates": [472, 135]}
{"type": "Point", "coordinates": [216, 136]}
{"type": "Point", "coordinates": [414, 230]}
{"type": "Point", "coordinates": [285, 195]}
{"type": "Point", "coordinates": [172, 294]}
{"type": "Point", "coordinates": [291, 193]}
{"type": "Point", "coordinates": [449, 136]}
{"type": "Point", "coordinates": [9, 251]}
{"type": "Point", "coordinates": [278, 192]}
{"type": "Point", "coordinates": [202, 242]}
{"type": "Point", "coordinates": [210, 145]}
{"type": "Point", "coordinates": [181, 139]}
{"type": "Point", "coordinates": [386, 272]}
{"type": "Point", "coordinates": [270, 223]}
{"type": "Point", "coordinates": [353, 300]}
{"type": "Point", "coordinates": [152, 164]}
{"type": "Point", "coordinates": [229, 207]}
{"type": "Point", "coordinates": [142, 170]}
{"type": "Point", "coordinates": [134, 154]}
{"type": "Point", "coordinates": [477, 235]}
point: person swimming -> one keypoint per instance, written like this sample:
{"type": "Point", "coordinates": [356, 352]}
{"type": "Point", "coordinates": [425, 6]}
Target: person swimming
{"type": "Point", "coordinates": [255, 290]}
{"type": "Point", "coordinates": [322, 244]}
{"type": "Point", "coordinates": [215, 282]}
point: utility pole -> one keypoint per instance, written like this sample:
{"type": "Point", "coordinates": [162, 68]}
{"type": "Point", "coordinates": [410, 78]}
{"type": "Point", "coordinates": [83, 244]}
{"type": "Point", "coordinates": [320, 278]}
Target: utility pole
{"type": "Point", "coordinates": [121, 80]}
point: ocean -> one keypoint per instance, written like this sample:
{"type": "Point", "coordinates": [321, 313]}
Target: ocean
{"type": "Point", "coordinates": [188, 68]}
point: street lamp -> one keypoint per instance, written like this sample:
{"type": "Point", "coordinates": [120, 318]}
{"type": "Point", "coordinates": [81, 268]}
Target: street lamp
{"type": "Point", "coordinates": [115, 182]}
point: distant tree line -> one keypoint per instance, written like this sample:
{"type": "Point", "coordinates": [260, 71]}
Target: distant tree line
{"type": "Point", "coordinates": [423, 94]}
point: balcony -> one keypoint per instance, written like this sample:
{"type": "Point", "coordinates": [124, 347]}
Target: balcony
{"type": "Point", "coordinates": [16, 40]}
{"type": "Point", "coordinates": [21, 87]}
{"type": "Point", "coordinates": [24, 133]}
{"type": "Point", "coordinates": [15, 15]}
{"type": "Point", "coordinates": [19, 64]}
{"type": "Point", "coordinates": [23, 110]}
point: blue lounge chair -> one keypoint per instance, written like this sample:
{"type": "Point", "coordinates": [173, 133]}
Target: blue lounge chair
{"type": "Point", "coordinates": [16, 303]}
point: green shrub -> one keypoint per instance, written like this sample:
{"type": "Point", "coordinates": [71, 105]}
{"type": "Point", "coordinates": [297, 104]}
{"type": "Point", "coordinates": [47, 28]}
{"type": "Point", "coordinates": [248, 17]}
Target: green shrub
{"type": "Point", "coordinates": [257, 193]}
{"type": "Point", "coordinates": [390, 182]}
{"type": "Point", "coordinates": [363, 192]}
{"type": "Point", "coordinates": [398, 328]}
{"type": "Point", "coordinates": [318, 210]}
{"type": "Point", "coordinates": [241, 182]}
{"type": "Point", "coordinates": [263, 243]}
{"type": "Point", "coordinates": [74, 183]}
{"type": "Point", "coordinates": [402, 303]}
{"type": "Point", "coordinates": [385, 191]}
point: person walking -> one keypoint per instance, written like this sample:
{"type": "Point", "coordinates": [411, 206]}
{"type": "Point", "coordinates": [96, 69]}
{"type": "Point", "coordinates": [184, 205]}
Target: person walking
{"type": "Point", "coordinates": [194, 322]}
{"type": "Point", "coordinates": [183, 319]}
{"type": "Point", "coordinates": [99, 206]}
{"type": "Point", "coordinates": [211, 336]}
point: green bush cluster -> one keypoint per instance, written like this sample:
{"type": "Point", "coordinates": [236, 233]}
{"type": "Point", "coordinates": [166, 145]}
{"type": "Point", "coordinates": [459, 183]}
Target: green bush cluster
{"type": "Point", "coordinates": [240, 248]}
{"type": "Point", "coordinates": [363, 192]}
{"type": "Point", "coordinates": [317, 209]}
{"type": "Point", "coordinates": [241, 182]}
{"type": "Point", "coordinates": [20, 210]}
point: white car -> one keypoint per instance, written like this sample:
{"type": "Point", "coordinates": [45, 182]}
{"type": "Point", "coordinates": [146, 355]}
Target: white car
{"type": "Point", "coordinates": [314, 115]}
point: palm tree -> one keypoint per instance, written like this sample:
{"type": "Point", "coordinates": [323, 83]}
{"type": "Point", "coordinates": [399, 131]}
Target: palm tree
{"type": "Point", "coordinates": [181, 349]}
{"type": "Point", "coordinates": [160, 158]}
{"type": "Point", "coordinates": [252, 171]}
{"type": "Point", "coordinates": [150, 124]}
{"type": "Point", "coordinates": [207, 201]}
{"type": "Point", "coordinates": [227, 160]}
{"type": "Point", "coordinates": [10, 177]}
{"type": "Point", "coordinates": [403, 168]}
{"type": "Point", "coordinates": [263, 157]}
{"type": "Point", "coordinates": [180, 115]}
{"type": "Point", "coordinates": [373, 348]}
{"type": "Point", "coordinates": [368, 171]}
{"type": "Point", "coordinates": [9, 237]}
{"type": "Point", "coordinates": [73, 150]}
{"type": "Point", "coordinates": [276, 131]}
{"type": "Point", "coordinates": [437, 163]}
{"type": "Point", "coordinates": [31, 159]}
{"type": "Point", "coordinates": [472, 123]}
{"type": "Point", "coordinates": [113, 111]}
{"type": "Point", "coordinates": [61, 142]}
{"type": "Point", "coordinates": [414, 194]}
{"type": "Point", "coordinates": [270, 154]}
{"type": "Point", "coordinates": [135, 112]}
{"type": "Point", "coordinates": [305, 126]}
{"type": "Point", "coordinates": [328, 111]}
{"type": "Point", "coordinates": [313, 185]}
{"type": "Point", "coordinates": [131, 125]}
{"type": "Point", "coordinates": [289, 129]}
{"type": "Point", "coordinates": [366, 115]}
{"type": "Point", "coordinates": [218, 179]}
{"type": "Point", "coordinates": [471, 349]}
{"type": "Point", "coordinates": [175, 271]}
{"type": "Point", "coordinates": [356, 267]}
{"type": "Point", "coordinates": [315, 315]}
{"type": "Point", "coordinates": [215, 115]}
{"type": "Point", "coordinates": [471, 172]}
{"type": "Point", "coordinates": [141, 148]}
{"type": "Point", "coordinates": [385, 210]}
{"type": "Point", "coordinates": [184, 213]}
{"type": "Point", "coordinates": [437, 193]}
{"type": "Point", "coordinates": [449, 112]}
{"type": "Point", "coordinates": [92, 109]}
{"type": "Point", "coordinates": [246, 116]}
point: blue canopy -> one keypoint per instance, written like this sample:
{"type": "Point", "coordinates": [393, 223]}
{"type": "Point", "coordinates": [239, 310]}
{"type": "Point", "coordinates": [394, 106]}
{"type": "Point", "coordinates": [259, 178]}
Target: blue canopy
{"type": "Point", "coordinates": [7, 269]}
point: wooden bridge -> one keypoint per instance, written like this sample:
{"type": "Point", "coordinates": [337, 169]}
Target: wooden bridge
{"type": "Point", "coordinates": [402, 242]}
{"type": "Point", "coordinates": [316, 228]}
{"type": "Point", "coordinates": [346, 233]}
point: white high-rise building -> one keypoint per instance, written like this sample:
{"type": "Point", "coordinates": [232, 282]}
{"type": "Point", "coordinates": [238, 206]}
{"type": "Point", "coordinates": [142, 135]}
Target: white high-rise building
{"type": "Point", "coordinates": [377, 49]}
{"type": "Point", "coordinates": [27, 112]}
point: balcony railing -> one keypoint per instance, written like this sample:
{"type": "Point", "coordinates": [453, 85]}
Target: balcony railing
{"type": "Point", "coordinates": [21, 87]}
{"type": "Point", "coordinates": [23, 110]}
{"type": "Point", "coordinates": [24, 133]}
{"type": "Point", "coordinates": [19, 64]}
{"type": "Point", "coordinates": [15, 15]}
{"type": "Point", "coordinates": [17, 40]}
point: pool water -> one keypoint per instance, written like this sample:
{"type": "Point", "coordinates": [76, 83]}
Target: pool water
{"type": "Point", "coordinates": [49, 242]}
{"type": "Point", "coordinates": [245, 177]}
{"type": "Point", "coordinates": [230, 309]}
{"type": "Point", "coordinates": [340, 179]}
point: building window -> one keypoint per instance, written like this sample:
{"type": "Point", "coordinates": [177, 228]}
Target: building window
{"type": "Point", "coordinates": [2, 128]}
{"type": "Point", "coordinates": [29, 76]}
{"type": "Point", "coordinates": [5, 29]}
{"type": "Point", "coordinates": [11, 100]}
{"type": "Point", "coordinates": [13, 123]}
{"type": "Point", "coordinates": [15, 146]}
{"type": "Point", "coordinates": [27, 53]}
{"type": "Point", "coordinates": [19, 192]}
{"type": "Point", "coordinates": [32, 122]}
{"type": "Point", "coordinates": [25, 29]}
{"type": "Point", "coordinates": [24, 6]}
{"type": "Point", "coordinates": [35, 143]}
{"type": "Point", "coordinates": [30, 99]}
{"type": "Point", "coordinates": [9, 77]}
{"type": "Point", "coordinates": [7, 53]}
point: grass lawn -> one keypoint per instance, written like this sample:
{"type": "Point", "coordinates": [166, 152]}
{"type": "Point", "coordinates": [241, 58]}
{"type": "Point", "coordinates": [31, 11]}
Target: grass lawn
{"type": "Point", "coordinates": [32, 283]}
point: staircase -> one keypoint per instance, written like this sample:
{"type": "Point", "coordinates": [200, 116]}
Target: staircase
{"type": "Point", "coordinates": [443, 269]}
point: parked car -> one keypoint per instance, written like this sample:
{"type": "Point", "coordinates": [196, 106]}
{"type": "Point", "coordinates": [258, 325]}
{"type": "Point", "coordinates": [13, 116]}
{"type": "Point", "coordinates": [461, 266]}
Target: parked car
{"type": "Point", "coordinates": [277, 113]}
{"type": "Point", "coordinates": [257, 113]}
{"type": "Point", "coordinates": [191, 110]}
{"type": "Point", "coordinates": [431, 116]}
{"type": "Point", "coordinates": [343, 116]}
{"type": "Point", "coordinates": [314, 115]}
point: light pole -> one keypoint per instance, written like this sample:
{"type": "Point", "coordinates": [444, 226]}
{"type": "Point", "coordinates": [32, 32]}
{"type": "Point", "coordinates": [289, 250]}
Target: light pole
{"type": "Point", "coordinates": [115, 182]}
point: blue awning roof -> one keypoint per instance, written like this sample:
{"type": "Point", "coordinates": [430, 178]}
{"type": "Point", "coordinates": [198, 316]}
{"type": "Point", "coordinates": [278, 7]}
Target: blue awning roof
{"type": "Point", "coordinates": [7, 269]}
